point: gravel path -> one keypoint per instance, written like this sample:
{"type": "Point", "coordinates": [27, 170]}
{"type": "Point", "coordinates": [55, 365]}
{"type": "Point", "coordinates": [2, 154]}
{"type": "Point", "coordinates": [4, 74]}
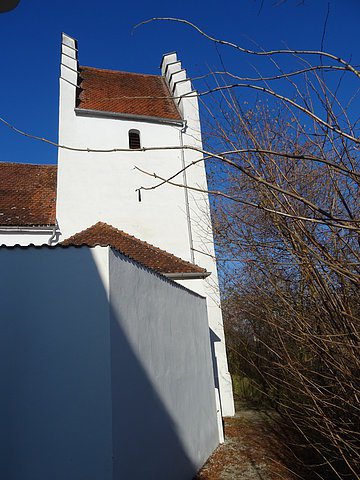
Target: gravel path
{"type": "Point", "coordinates": [251, 450]}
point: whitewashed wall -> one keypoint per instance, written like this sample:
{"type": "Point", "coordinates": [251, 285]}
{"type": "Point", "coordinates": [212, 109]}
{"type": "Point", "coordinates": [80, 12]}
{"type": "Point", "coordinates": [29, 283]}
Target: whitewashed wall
{"type": "Point", "coordinates": [18, 236]}
{"type": "Point", "coordinates": [164, 360]}
{"type": "Point", "coordinates": [209, 288]}
{"type": "Point", "coordinates": [105, 367]}
{"type": "Point", "coordinates": [96, 187]}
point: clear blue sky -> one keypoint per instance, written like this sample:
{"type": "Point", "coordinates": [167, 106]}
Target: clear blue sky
{"type": "Point", "coordinates": [30, 47]}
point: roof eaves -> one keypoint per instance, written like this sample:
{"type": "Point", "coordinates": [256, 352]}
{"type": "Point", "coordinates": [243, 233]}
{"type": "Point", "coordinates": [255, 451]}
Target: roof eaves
{"type": "Point", "coordinates": [187, 275]}
{"type": "Point", "coordinates": [128, 116]}
{"type": "Point", "coordinates": [163, 276]}
{"type": "Point", "coordinates": [30, 226]}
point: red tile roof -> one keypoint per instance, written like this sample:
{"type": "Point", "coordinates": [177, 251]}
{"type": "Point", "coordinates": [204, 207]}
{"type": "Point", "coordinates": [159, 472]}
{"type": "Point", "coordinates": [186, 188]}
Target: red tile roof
{"type": "Point", "coordinates": [142, 252]}
{"type": "Point", "coordinates": [27, 194]}
{"type": "Point", "coordinates": [119, 92]}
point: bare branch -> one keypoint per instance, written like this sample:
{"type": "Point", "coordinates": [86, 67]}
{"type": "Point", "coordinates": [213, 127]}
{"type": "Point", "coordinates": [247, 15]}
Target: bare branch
{"type": "Point", "coordinates": [253, 52]}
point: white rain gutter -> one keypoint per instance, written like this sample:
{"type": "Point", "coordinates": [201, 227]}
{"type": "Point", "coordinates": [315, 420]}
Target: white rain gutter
{"type": "Point", "coordinates": [187, 275]}
{"type": "Point", "coordinates": [187, 204]}
{"type": "Point", "coordinates": [85, 112]}
{"type": "Point", "coordinates": [16, 229]}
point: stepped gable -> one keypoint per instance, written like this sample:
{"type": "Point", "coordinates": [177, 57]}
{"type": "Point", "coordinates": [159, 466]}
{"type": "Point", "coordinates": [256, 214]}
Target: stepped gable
{"type": "Point", "coordinates": [121, 92]}
{"type": "Point", "coordinates": [27, 194]}
{"type": "Point", "coordinates": [142, 252]}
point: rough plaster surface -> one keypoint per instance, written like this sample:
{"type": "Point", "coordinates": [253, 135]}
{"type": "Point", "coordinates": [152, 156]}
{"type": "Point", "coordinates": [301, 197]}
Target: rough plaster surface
{"type": "Point", "coordinates": [163, 329]}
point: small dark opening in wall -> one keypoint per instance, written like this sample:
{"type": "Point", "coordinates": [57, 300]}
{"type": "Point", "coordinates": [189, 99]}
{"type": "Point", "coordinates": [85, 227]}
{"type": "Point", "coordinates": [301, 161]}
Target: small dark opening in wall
{"type": "Point", "coordinates": [134, 139]}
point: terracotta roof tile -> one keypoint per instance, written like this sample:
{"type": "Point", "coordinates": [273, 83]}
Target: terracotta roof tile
{"type": "Point", "coordinates": [113, 91]}
{"type": "Point", "coordinates": [27, 194]}
{"type": "Point", "coordinates": [152, 257]}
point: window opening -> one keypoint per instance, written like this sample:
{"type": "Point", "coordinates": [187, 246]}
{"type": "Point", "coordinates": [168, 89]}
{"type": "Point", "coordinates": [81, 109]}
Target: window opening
{"type": "Point", "coordinates": [134, 139]}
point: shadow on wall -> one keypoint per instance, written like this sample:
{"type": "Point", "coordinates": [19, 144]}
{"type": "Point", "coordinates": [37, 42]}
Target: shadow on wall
{"type": "Point", "coordinates": [62, 403]}
{"type": "Point", "coordinates": [143, 432]}
{"type": "Point", "coordinates": [165, 326]}
{"type": "Point", "coordinates": [214, 338]}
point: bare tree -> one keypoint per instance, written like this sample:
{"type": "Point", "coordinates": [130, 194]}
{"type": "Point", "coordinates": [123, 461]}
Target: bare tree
{"type": "Point", "coordinates": [292, 288]}
{"type": "Point", "coordinates": [284, 177]}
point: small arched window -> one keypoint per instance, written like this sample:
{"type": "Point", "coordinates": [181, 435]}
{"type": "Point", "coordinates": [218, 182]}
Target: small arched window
{"type": "Point", "coordinates": [134, 139]}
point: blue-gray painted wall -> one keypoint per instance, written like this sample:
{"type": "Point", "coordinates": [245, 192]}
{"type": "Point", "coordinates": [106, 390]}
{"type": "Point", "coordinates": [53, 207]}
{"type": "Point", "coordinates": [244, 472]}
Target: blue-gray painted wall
{"type": "Point", "coordinates": [55, 402]}
{"type": "Point", "coordinates": [105, 369]}
{"type": "Point", "coordinates": [162, 370]}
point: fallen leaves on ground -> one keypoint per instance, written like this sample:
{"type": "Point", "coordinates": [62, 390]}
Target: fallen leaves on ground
{"type": "Point", "coordinates": [251, 451]}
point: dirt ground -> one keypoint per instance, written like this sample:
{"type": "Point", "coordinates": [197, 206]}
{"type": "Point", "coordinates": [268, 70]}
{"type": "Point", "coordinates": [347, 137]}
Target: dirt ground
{"type": "Point", "coordinates": [251, 451]}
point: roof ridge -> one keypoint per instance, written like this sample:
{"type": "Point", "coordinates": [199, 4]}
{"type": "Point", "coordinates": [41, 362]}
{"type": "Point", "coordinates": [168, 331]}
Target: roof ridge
{"type": "Point", "coordinates": [119, 71]}
{"type": "Point", "coordinates": [29, 164]}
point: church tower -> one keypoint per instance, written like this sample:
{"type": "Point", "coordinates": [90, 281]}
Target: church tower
{"type": "Point", "coordinates": [116, 126]}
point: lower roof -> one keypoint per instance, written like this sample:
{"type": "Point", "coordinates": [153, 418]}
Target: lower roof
{"type": "Point", "coordinates": [27, 194]}
{"type": "Point", "coordinates": [142, 252]}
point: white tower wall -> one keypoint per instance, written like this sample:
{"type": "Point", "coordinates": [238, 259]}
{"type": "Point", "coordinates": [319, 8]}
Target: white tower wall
{"type": "Point", "coordinates": [98, 186]}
